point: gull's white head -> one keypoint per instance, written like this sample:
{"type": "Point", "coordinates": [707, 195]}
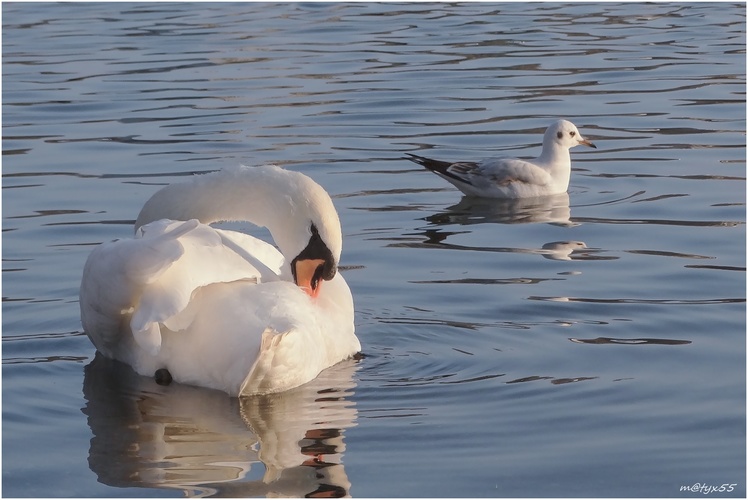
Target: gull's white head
{"type": "Point", "coordinates": [564, 134]}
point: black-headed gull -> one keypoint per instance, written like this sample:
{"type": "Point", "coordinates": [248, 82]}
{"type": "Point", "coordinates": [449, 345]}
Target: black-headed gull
{"type": "Point", "coordinates": [511, 177]}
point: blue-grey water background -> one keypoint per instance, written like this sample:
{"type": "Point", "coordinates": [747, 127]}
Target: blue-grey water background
{"type": "Point", "coordinates": [591, 346]}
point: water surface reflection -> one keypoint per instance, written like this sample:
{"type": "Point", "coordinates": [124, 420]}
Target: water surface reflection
{"type": "Point", "coordinates": [552, 209]}
{"type": "Point", "coordinates": [205, 443]}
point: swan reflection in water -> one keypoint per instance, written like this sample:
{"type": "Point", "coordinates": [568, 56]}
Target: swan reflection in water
{"type": "Point", "coordinates": [206, 443]}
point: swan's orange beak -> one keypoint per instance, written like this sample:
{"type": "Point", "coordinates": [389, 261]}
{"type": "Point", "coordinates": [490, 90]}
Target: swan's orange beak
{"type": "Point", "coordinates": [309, 275]}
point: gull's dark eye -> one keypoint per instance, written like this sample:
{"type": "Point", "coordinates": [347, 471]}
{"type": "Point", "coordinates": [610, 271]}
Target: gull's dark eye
{"type": "Point", "coordinates": [572, 133]}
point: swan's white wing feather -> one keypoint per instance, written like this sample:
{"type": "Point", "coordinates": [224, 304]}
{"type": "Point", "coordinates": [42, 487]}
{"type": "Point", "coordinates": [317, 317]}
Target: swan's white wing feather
{"type": "Point", "coordinates": [152, 252]}
{"type": "Point", "coordinates": [154, 275]}
{"type": "Point", "coordinates": [113, 279]}
{"type": "Point", "coordinates": [261, 254]}
{"type": "Point", "coordinates": [205, 260]}
{"type": "Point", "coordinates": [250, 339]}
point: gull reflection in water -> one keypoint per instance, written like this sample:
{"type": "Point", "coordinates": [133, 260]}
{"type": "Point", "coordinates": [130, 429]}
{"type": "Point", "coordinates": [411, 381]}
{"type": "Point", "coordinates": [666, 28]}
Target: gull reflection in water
{"type": "Point", "coordinates": [553, 209]}
{"type": "Point", "coordinates": [204, 442]}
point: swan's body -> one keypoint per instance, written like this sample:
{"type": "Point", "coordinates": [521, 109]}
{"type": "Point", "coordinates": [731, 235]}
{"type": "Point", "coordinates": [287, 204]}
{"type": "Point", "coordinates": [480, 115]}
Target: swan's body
{"type": "Point", "coordinates": [219, 308]}
{"type": "Point", "coordinates": [546, 175]}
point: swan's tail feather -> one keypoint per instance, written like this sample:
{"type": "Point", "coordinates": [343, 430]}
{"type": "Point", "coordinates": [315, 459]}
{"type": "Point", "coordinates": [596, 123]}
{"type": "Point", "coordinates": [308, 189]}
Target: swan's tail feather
{"type": "Point", "coordinates": [257, 378]}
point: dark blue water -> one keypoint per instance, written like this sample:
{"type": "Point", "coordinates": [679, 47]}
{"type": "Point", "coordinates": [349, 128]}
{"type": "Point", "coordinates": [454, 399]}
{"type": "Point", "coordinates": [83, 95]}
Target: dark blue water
{"type": "Point", "coordinates": [593, 346]}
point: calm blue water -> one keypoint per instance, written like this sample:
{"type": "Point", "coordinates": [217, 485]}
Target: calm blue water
{"type": "Point", "coordinates": [593, 346]}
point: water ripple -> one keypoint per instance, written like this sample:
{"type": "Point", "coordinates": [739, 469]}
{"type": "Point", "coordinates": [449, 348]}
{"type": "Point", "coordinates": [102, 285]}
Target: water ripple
{"type": "Point", "coordinates": [512, 336]}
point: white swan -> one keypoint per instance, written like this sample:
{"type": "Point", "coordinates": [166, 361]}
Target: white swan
{"type": "Point", "coordinates": [219, 308]}
{"type": "Point", "coordinates": [547, 174]}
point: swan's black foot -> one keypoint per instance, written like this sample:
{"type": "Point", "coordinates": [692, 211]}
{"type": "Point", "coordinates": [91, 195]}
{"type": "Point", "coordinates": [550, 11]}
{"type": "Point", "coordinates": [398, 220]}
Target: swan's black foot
{"type": "Point", "coordinates": [359, 356]}
{"type": "Point", "coordinates": [163, 377]}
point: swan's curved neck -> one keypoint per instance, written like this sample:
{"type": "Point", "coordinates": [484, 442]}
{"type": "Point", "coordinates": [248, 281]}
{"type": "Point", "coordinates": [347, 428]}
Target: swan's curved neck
{"type": "Point", "coordinates": [285, 202]}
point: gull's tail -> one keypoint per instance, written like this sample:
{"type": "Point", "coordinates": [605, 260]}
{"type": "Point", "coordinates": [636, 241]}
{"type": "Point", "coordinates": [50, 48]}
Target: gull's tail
{"type": "Point", "coordinates": [437, 166]}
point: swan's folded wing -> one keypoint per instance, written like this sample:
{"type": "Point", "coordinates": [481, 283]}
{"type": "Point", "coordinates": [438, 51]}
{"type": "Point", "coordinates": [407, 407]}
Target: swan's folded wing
{"type": "Point", "coordinates": [261, 254]}
{"type": "Point", "coordinates": [114, 276]}
{"type": "Point", "coordinates": [205, 259]}
{"type": "Point", "coordinates": [153, 277]}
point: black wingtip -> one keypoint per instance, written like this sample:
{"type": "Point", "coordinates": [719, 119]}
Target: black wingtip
{"type": "Point", "coordinates": [415, 158]}
{"type": "Point", "coordinates": [439, 167]}
{"type": "Point", "coordinates": [434, 165]}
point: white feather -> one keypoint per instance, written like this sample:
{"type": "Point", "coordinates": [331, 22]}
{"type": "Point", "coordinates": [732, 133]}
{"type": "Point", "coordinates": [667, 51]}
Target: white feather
{"type": "Point", "coordinates": [218, 308]}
